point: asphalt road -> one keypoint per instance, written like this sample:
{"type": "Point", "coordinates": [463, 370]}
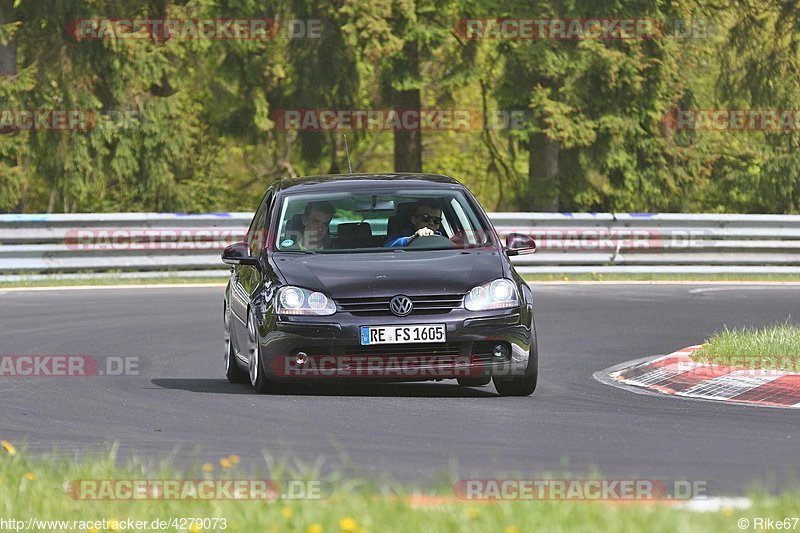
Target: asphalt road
{"type": "Point", "coordinates": [181, 405]}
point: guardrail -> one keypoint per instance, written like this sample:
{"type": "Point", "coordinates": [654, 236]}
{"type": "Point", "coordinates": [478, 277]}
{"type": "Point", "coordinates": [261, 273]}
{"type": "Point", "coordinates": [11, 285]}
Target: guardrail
{"type": "Point", "coordinates": [158, 244]}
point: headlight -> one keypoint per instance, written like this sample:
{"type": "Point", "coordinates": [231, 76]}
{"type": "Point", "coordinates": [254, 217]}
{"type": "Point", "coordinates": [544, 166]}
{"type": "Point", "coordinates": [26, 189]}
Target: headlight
{"type": "Point", "coordinates": [296, 301]}
{"type": "Point", "coordinates": [496, 294]}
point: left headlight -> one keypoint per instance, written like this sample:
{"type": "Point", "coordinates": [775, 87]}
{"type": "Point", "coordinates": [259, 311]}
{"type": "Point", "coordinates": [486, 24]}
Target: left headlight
{"type": "Point", "coordinates": [496, 294]}
{"type": "Point", "coordinates": [291, 300]}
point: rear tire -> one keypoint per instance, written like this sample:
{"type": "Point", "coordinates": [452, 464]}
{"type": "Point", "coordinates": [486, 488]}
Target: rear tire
{"type": "Point", "coordinates": [474, 382]}
{"type": "Point", "coordinates": [232, 370]}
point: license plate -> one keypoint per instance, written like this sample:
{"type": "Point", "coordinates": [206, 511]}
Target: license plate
{"type": "Point", "coordinates": [403, 334]}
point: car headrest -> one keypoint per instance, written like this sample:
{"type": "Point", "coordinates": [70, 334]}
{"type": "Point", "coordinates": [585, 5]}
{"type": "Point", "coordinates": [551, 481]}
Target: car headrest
{"type": "Point", "coordinates": [354, 230]}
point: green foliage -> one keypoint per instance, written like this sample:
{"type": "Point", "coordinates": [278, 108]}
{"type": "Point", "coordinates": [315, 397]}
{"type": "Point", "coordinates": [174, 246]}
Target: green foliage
{"type": "Point", "coordinates": [189, 124]}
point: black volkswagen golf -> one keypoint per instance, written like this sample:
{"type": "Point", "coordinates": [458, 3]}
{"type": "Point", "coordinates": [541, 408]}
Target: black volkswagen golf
{"type": "Point", "coordinates": [378, 276]}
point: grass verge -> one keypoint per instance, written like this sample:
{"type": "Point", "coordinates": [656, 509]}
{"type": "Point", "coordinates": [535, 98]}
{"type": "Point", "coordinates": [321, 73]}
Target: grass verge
{"type": "Point", "coordinates": [773, 347]}
{"type": "Point", "coordinates": [35, 488]}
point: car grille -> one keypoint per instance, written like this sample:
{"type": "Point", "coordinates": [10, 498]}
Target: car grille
{"type": "Point", "coordinates": [423, 305]}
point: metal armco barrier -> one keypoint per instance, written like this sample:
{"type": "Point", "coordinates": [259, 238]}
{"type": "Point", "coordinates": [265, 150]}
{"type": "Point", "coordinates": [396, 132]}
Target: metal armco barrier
{"type": "Point", "coordinates": [656, 243]}
{"type": "Point", "coordinates": [160, 244]}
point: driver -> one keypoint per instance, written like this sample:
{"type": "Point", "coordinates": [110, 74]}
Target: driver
{"type": "Point", "coordinates": [426, 221]}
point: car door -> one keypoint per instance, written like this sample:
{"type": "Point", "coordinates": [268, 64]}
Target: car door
{"type": "Point", "coordinates": [245, 278]}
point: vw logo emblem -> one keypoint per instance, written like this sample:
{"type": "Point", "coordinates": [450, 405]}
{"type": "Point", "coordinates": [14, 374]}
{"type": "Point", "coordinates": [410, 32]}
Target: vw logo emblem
{"type": "Point", "coordinates": [401, 305]}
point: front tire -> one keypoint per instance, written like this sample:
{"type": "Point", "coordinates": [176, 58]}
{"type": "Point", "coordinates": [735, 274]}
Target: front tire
{"type": "Point", "coordinates": [522, 385]}
{"type": "Point", "coordinates": [232, 370]}
{"type": "Point", "coordinates": [258, 378]}
{"type": "Point", "coordinates": [474, 382]}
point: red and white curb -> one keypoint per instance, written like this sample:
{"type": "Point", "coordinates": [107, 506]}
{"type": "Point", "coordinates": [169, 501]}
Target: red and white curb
{"type": "Point", "coordinates": [676, 374]}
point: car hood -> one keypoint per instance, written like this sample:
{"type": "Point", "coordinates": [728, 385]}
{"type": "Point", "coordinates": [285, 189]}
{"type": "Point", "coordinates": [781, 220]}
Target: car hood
{"type": "Point", "coordinates": [390, 273]}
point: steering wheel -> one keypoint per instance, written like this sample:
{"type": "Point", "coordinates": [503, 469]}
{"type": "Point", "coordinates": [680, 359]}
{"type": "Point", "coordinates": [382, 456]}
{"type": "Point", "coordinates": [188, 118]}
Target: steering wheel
{"type": "Point", "coordinates": [431, 241]}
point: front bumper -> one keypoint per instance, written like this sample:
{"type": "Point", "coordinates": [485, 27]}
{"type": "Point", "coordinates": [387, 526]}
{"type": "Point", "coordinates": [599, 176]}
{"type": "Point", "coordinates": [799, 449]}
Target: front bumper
{"type": "Point", "coordinates": [332, 348]}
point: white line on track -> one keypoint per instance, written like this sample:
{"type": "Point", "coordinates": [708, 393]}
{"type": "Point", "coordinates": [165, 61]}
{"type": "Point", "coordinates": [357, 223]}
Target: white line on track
{"type": "Point", "coordinates": [715, 505]}
{"type": "Point", "coordinates": [745, 288]}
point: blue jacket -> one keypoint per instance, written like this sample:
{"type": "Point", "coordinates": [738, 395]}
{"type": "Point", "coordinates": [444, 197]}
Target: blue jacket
{"type": "Point", "coordinates": [399, 241]}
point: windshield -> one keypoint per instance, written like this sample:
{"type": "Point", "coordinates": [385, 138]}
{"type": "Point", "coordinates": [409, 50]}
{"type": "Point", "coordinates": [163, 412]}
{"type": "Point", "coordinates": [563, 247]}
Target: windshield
{"type": "Point", "coordinates": [380, 220]}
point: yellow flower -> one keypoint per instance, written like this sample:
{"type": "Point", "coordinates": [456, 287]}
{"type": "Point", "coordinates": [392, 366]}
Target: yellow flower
{"type": "Point", "coordinates": [113, 524]}
{"type": "Point", "coordinates": [234, 459]}
{"type": "Point", "coordinates": [314, 528]}
{"type": "Point", "coordinates": [225, 462]}
{"type": "Point", "coordinates": [195, 528]}
{"type": "Point", "coordinates": [30, 476]}
{"type": "Point", "coordinates": [566, 278]}
{"type": "Point", "coordinates": [348, 524]}
{"type": "Point", "coordinates": [94, 530]}
{"type": "Point", "coordinates": [208, 467]}
{"type": "Point", "coordinates": [287, 512]}
{"type": "Point", "coordinates": [472, 514]}
{"type": "Point", "coordinates": [512, 529]}
{"type": "Point", "coordinates": [8, 447]}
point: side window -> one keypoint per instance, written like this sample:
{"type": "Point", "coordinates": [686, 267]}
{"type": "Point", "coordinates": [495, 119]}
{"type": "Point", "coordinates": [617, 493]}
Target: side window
{"type": "Point", "coordinates": [257, 233]}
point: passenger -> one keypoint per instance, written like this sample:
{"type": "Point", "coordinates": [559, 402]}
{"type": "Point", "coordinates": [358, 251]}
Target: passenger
{"type": "Point", "coordinates": [316, 219]}
{"type": "Point", "coordinates": [426, 221]}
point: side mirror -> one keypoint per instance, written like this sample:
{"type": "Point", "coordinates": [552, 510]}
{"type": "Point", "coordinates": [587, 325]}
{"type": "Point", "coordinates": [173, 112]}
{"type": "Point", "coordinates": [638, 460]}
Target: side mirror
{"type": "Point", "coordinates": [238, 253]}
{"type": "Point", "coordinates": [519, 244]}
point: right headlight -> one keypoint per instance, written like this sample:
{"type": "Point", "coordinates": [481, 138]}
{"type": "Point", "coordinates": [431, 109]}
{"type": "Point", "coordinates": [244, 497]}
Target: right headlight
{"type": "Point", "coordinates": [298, 301]}
{"type": "Point", "coordinates": [496, 294]}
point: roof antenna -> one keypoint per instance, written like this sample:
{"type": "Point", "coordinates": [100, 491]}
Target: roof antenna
{"type": "Point", "coordinates": [347, 151]}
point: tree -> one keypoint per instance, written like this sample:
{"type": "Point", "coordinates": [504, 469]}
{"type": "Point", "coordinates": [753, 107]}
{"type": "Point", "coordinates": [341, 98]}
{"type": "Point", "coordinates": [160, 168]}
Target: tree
{"type": "Point", "coordinates": [760, 70]}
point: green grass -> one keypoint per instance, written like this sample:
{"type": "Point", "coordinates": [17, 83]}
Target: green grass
{"type": "Point", "coordinates": [35, 487]}
{"type": "Point", "coordinates": [771, 347]}
{"type": "Point", "coordinates": [662, 277]}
